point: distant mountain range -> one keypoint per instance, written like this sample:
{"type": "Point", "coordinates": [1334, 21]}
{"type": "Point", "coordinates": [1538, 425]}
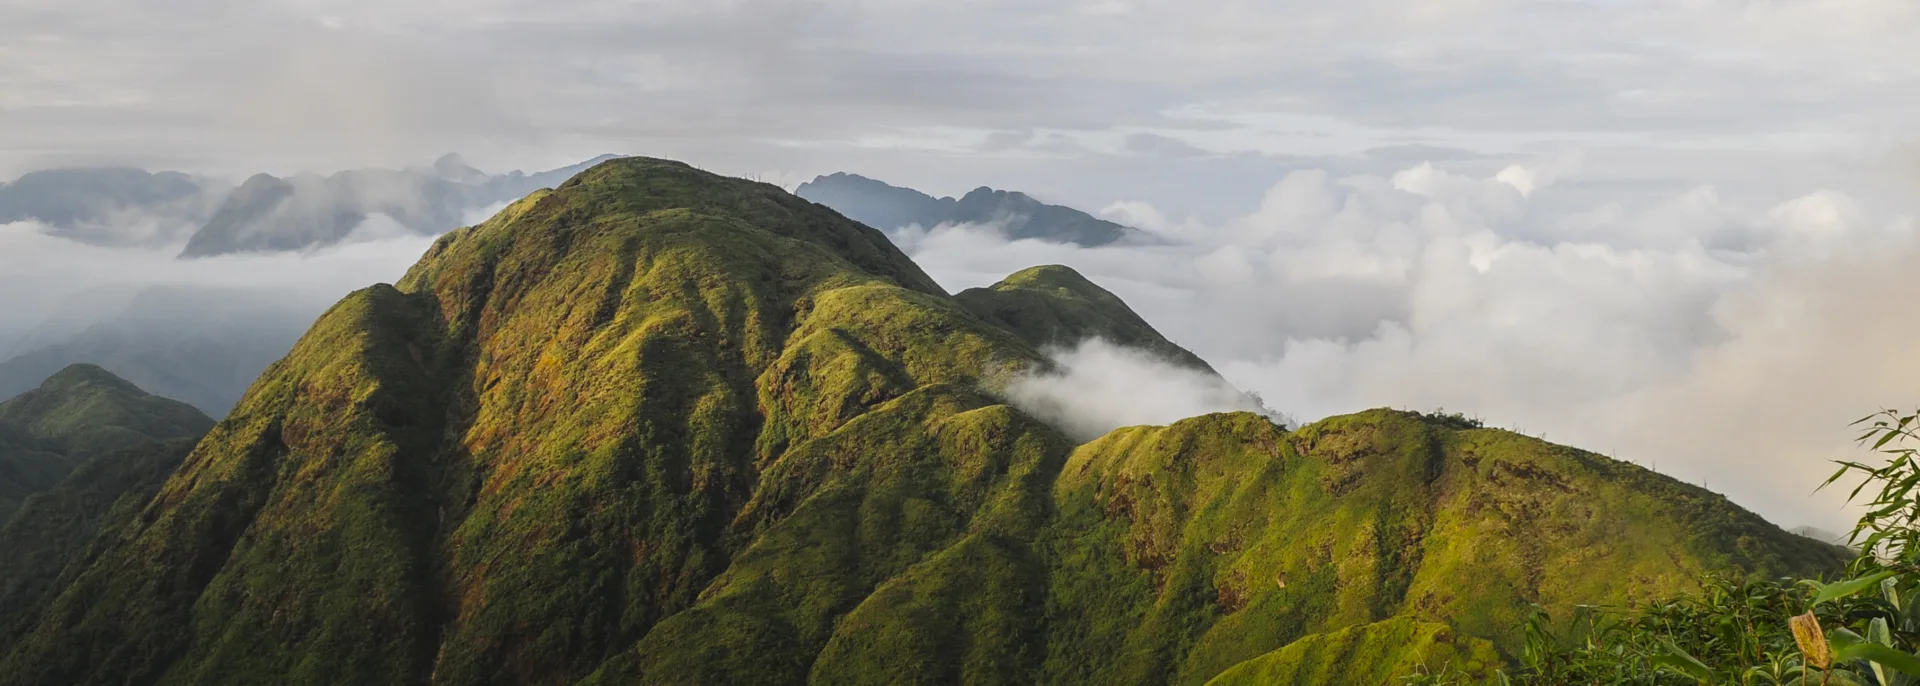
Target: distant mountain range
{"type": "Point", "coordinates": [200, 345]}
{"type": "Point", "coordinates": [888, 208]}
{"type": "Point", "coordinates": [113, 206]}
{"type": "Point", "coordinates": [270, 214]}
{"type": "Point", "coordinates": [119, 206]}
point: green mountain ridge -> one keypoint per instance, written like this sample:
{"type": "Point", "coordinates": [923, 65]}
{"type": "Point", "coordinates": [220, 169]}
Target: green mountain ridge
{"type": "Point", "coordinates": [76, 414]}
{"type": "Point", "coordinates": [1054, 306]}
{"type": "Point", "coordinates": [661, 426]}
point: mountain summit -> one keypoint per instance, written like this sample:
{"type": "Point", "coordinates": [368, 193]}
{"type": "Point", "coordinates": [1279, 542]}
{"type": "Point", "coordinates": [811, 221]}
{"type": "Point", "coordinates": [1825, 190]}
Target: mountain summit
{"type": "Point", "coordinates": [887, 207]}
{"type": "Point", "coordinates": [662, 426]}
{"type": "Point", "coordinates": [77, 414]}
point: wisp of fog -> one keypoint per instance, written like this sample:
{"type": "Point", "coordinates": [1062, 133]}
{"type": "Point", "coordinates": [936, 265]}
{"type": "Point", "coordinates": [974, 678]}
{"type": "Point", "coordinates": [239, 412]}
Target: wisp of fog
{"type": "Point", "coordinates": [1096, 387]}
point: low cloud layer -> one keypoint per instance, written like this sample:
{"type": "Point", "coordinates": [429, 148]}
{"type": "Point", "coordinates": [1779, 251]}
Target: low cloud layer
{"type": "Point", "coordinates": [56, 287]}
{"type": "Point", "coordinates": [1097, 387]}
{"type": "Point", "coordinates": [1723, 338]}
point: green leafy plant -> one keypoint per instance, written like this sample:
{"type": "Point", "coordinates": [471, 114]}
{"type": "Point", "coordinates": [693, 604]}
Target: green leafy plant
{"type": "Point", "coordinates": [1863, 628]}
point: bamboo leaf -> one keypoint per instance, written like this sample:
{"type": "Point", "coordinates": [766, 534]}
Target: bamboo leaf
{"type": "Point", "coordinates": [1678, 660]}
{"type": "Point", "coordinates": [1848, 588]}
{"type": "Point", "coordinates": [1848, 646]}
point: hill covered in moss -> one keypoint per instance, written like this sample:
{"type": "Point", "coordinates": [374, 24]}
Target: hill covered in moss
{"type": "Point", "coordinates": [1054, 306]}
{"type": "Point", "coordinates": [77, 414]}
{"type": "Point", "coordinates": [661, 426]}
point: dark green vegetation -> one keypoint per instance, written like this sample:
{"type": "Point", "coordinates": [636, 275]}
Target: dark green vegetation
{"type": "Point", "coordinates": [53, 535]}
{"type": "Point", "coordinates": [891, 207]}
{"type": "Point", "coordinates": [76, 415]}
{"type": "Point", "coordinates": [659, 426]}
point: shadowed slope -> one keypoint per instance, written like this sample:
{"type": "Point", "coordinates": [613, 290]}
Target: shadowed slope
{"type": "Point", "coordinates": [56, 532]}
{"type": "Point", "coordinates": [78, 413]}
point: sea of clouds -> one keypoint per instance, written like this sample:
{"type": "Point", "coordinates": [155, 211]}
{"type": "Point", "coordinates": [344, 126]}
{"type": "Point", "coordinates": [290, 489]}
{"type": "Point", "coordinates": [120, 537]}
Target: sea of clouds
{"type": "Point", "coordinates": [1724, 341]}
{"type": "Point", "coordinates": [54, 287]}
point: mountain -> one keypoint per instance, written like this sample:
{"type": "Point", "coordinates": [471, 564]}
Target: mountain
{"type": "Point", "coordinates": [77, 414]}
{"type": "Point", "coordinates": [662, 426]}
{"type": "Point", "coordinates": [201, 345]}
{"type": "Point", "coordinates": [119, 206]}
{"type": "Point", "coordinates": [879, 205]}
{"type": "Point", "coordinates": [1054, 306]}
{"type": "Point", "coordinates": [272, 214]}
{"type": "Point", "coordinates": [109, 206]}
{"type": "Point", "coordinates": [269, 214]}
{"type": "Point", "coordinates": [1821, 535]}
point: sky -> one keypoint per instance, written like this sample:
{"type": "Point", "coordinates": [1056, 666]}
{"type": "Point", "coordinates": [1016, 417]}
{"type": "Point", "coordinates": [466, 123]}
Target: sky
{"type": "Point", "coordinates": [1666, 230]}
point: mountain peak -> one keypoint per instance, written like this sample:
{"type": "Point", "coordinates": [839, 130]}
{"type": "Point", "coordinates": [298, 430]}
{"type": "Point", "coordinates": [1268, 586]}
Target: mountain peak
{"type": "Point", "coordinates": [1055, 306]}
{"type": "Point", "coordinates": [1050, 276]}
{"type": "Point", "coordinates": [625, 193]}
{"type": "Point", "coordinates": [887, 207]}
{"type": "Point", "coordinates": [76, 376]}
{"type": "Point", "coordinates": [90, 410]}
{"type": "Point", "coordinates": [453, 167]}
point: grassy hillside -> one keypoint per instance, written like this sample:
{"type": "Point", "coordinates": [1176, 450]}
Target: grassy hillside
{"type": "Point", "coordinates": [1368, 655]}
{"type": "Point", "coordinates": [81, 412]}
{"type": "Point", "coordinates": [1056, 306]}
{"type": "Point", "coordinates": [660, 426]}
{"type": "Point", "coordinates": [1235, 538]}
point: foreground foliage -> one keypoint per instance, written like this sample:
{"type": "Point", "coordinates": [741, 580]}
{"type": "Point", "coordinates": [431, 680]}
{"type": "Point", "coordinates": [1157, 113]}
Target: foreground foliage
{"type": "Point", "coordinates": [1862, 628]}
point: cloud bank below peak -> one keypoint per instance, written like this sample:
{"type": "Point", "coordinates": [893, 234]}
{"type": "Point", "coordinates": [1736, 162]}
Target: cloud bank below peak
{"type": "Point", "coordinates": [1724, 339]}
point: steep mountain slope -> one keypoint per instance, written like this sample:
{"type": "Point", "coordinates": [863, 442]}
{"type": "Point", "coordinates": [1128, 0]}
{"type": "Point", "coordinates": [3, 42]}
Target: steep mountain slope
{"type": "Point", "coordinates": [56, 531]}
{"type": "Point", "coordinates": [660, 426]}
{"type": "Point", "coordinates": [1054, 306]}
{"type": "Point", "coordinates": [77, 414]}
{"type": "Point", "coordinates": [883, 206]}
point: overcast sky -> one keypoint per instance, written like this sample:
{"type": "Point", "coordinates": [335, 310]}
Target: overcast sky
{"type": "Point", "coordinates": [944, 94]}
{"type": "Point", "coordinates": [1633, 225]}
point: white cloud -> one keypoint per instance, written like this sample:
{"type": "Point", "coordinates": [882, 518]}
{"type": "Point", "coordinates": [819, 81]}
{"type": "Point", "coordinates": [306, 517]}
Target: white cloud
{"type": "Point", "coordinates": [341, 83]}
{"type": "Point", "coordinates": [55, 286]}
{"type": "Point", "coordinates": [1727, 340]}
{"type": "Point", "coordinates": [1097, 387]}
